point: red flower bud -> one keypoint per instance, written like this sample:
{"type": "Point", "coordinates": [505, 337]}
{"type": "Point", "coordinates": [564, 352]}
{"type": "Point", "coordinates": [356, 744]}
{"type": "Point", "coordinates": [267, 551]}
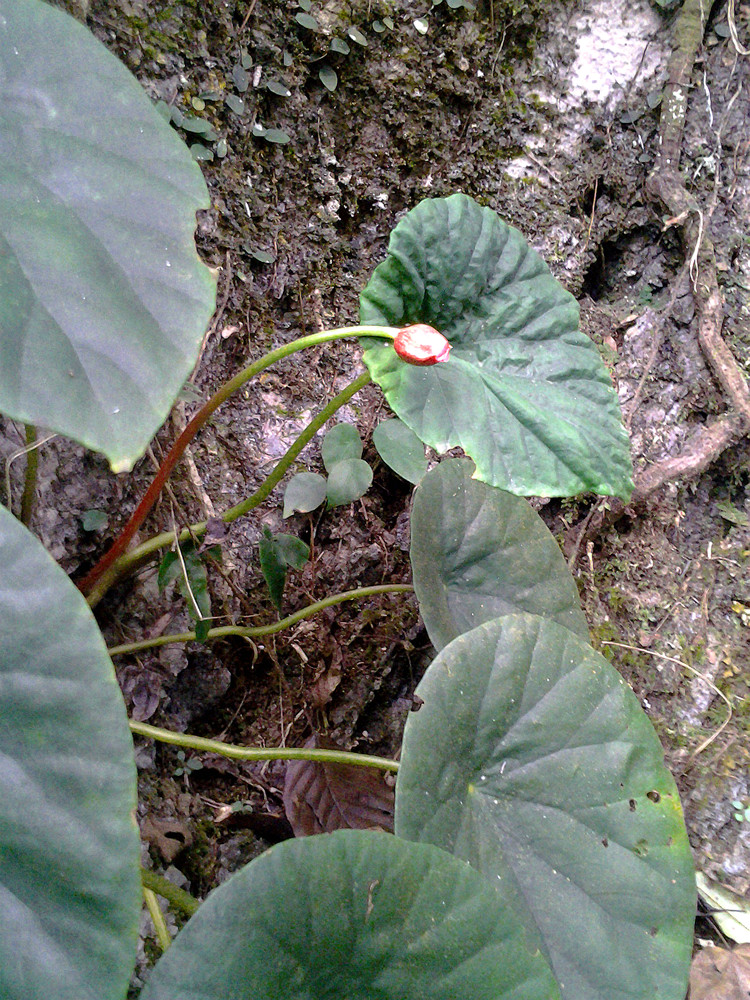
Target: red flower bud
{"type": "Point", "coordinates": [421, 345]}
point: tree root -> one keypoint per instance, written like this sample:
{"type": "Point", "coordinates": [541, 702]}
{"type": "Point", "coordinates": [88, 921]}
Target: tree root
{"type": "Point", "coordinates": [666, 187]}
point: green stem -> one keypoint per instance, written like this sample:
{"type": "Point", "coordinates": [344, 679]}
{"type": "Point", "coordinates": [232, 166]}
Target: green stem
{"type": "Point", "coordinates": [157, 918]}
{"type": "Point", "coordinates": [177, 897]}
{"type": "Point", "coordinates": [200, 419]}
{"type": "Point", "coordinates": [264, 753]}
{"type": "Point", "coordinates": [261, 630]}
{"type": "Point", "coordinates": [130, 561]}
{"type": "Point", "coordinates": [29, 485]}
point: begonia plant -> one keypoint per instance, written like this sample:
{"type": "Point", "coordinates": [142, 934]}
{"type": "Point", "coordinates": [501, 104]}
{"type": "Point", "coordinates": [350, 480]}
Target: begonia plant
{"type": "Point", "coordinates": [539, 847]}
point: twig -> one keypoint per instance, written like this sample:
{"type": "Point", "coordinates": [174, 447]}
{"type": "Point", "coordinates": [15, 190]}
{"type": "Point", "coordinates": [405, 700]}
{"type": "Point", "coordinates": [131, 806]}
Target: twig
{"type": "Point", "coordinates": [706, 680]}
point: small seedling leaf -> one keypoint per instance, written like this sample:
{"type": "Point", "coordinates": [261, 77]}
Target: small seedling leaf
{"type": "Point", "coordinates": [235, 103]}
{"type": "Point", "coordinates": [222, 148]}
{"type": "Point", "coordinates": [341, 442]}
{"type": "Point", "coordinates": [94, 520]}
{"type": "Point", "coordinates": [422, 25]}
{"type": "Point", "coordinates": [278, 88]}
{"type": "Point", "coordinates": [273, 567]}
{"type": "Point", "coordinates": [304, 4]}
{"type": "Point", "coordinates": [653, 99]}
{"type": "Point", "coordinates": [201, 153]}
{"type": "Point", "coordinates": [240, 77]}
{"type": "Point", "coordinates": [400, 449]}
{"type": "Point", "coordinates": [306, 21]}
{"type": "Point", "coordinates": [348, 481]}
{"type": "Point", "coordinates": [340, 46]}
{"type": "Point", "coordinates": [305, 492]}
{"type": "Point", "coordinates": [293, 550]}
{"type": "Point", "coordinates": [357, 36]}
{"type": "Point", "coordinates": [277, 135]}
{"type": "Point", "coordinates": [388, 22]}
{"type": "Point", "coordinates": [378, 26]}
{"type": "Point", "coordinates": [328, 77]}
{"type": "Point", "coordinates": [286, 58]}
{"type": "Point", "coordinates": [195, 125]}
{"type": "Point", "coordinates": [264, 256]}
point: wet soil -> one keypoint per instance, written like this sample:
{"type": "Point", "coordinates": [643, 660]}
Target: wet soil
{"type": "Point", "coordinates": [547, 113]}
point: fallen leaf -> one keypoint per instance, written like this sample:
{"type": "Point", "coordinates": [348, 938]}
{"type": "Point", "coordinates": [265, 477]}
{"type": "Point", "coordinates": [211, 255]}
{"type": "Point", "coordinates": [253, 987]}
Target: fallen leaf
{"type": "Point", "coordinates": [719, 974]}
{"type": "Point", "coordinates": [321, 798]}
{"type": "Point", "coordinates": [730, 911]}
{"type": "Point", "coordinates": [168, 836]}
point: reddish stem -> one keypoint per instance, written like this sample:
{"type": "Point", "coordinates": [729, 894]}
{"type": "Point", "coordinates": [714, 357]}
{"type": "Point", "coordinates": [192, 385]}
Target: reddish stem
{"type": "Point", "coordinates": [141, 512]}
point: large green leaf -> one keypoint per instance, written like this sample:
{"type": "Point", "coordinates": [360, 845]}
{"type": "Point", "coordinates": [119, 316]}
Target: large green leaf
{"type": "Point", "coordinates": [532, 759]}
{"type": "Point", "coordinates": [478, 552]}
{"type": "Point", "coordinates": [524, 393]}
{"type": "Point", "coordinates": [103, 299]}
{"type": "Point", "coordinates": [70, 891]}
{"type": "Point", "coordinates": [352, 915]}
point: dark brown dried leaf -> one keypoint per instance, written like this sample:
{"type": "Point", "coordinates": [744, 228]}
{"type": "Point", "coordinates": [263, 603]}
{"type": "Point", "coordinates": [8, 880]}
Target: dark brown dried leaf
{"type": "Point", "coordinates": [321, 798]}
{"type": "Point", "coordinates": [718, 974]}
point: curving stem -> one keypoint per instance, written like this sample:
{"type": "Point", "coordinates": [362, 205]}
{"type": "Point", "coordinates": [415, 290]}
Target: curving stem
{"type": "Point", "coordinates": [198, 421]}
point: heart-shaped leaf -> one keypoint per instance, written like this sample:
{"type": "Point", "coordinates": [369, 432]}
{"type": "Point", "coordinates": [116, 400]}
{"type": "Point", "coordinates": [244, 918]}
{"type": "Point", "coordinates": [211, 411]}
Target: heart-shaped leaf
{"type": "Point", "coordinates": [304, 492]}
{"type": "Point", "coordinates": [348, 481]}
{"type": "Point", "coordinates": [524, 393]}
{"type": "Point", "coordinates": [532, 759]}
{"type": "Point", "coordinates": [400, 449]}
{"type": "Point", "coordinates": [103, 299]}
{"type": "Point", "coordinates": [70, 892]}
{"type": "Point", "coordinates": [353, 914]}
{"type": "Point", "coordinates": [341, 442]}
{"type": "Point", "coordinates": [478, 552]}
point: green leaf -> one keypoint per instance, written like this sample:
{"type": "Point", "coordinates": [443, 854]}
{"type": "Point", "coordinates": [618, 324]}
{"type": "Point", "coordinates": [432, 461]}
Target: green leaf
{"type": "Point", "coordinates": [354, 914]}
{"type": "Point", "coordinates": [340, 46]}
{"type": "Point", "coordinates": [304, 492]}
{"type": "Point", "coordinates": [478, 552]}
{"type": "Point", "coordinates": [277, 135]}
{"type": "Point", "coordinates": [278, 88]}
{"type": "Point", "coordinates": [240, 78]}
{"type": "Point", "coordinates": [293, 550]}
{"type": "Point", "coordinates": [273, 566]}
{"type": "Point", "coordinates": [94, 520]}
{"type": "Point", "coordinates": [69, 847]}
{"type": "Point", "coordinates": [532, 759]}
{"type": "Point", "coordinates": [192, 582]}
{"type": "Point", "coordinates": [276, 553]}
{"type": "Point", "coordinates": [340, 442]}
{"type": "Point", "coordinates": [400, 449]}
{"type": "Point", "coordinates": [524, 393]}
{"type": "Point", "coordinates": [357, 36]}
{"type": "Point", "coordinates": [235, 103]}
{"type": "Point", "coordinates": [103, 299]}
{"type": "Point", "coordinates": [306, 21]}
{"type": "Point", "coordinates": [348, 481]}
{"type": "Point", "coordinates": [328, 77]}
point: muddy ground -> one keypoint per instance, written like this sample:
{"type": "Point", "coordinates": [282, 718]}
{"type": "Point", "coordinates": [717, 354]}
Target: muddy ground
{"type": "Point", "coordinates": [549, 114]}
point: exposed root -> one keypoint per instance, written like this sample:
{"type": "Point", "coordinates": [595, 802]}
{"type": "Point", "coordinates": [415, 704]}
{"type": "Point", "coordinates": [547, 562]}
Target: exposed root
{"type": "Point", "coordinates": [666, 186]}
